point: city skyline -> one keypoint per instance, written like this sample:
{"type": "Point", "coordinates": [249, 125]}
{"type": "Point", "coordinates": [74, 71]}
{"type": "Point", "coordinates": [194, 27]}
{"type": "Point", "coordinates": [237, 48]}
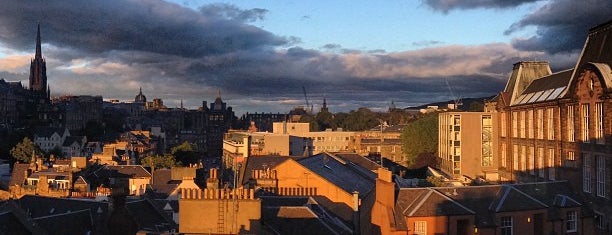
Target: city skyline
{"type": "Point", "coordinates": [190, 50]}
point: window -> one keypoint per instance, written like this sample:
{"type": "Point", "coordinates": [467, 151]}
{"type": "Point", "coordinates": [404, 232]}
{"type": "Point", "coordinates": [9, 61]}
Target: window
{"type": "Point", "coordinates": [503, 124]}
{"type": "Point", "coordinates": [530, 123]}
{"type": "Point", "coordinates": [503, 155]}
{"type": "Point", "coordinates": [515, 157]}
{"type": "Point", "coordinates": [585, 122]}
{"type": "Point", "coordinates": [601, 176]}
{"type": "Point", "coordinates": [586, 172]}
{"type": "Point", "coordinates": [570, 124]}
{"type": "Point", "coordinates": [420, 227]}
{"type": "Point", "coordinates": [523, 158]}
{"type": "Point", "coordinates": [551, 164]}
{"type": "Point", "coordinates": [531, 156]}
{"type": "Point", "coordinates": [551, 121]}
{"type": "Point", "coordinates": [570, 161]}
{"type": "Point", "coordinates": [600, 220]}
{"type": "Point", "coordinates": [540, 165]}
{"type": "Point", "coordinates": [540, 122]}
{"type": "Point", "coordinates": [505, 224]}
{"type": "Point", "coordinates": [514, 124]}
{"type": "Point", "coordinates": [571, 222]}
{"type": "Point", "coordinates": [599, 118]}
{"type": "Point", "coordinates": [487, 141]}
{"type": "Point", "coordinates": [522, 123]}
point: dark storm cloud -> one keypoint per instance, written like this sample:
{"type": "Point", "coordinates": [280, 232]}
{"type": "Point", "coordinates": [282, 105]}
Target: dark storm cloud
{"type": "Point", "coordinates": [112, 48]}
{"type": "Point", "coordinates": [562, 25]}
{"type": "Point", "coordinates": [153, 26]}
{"type": "Point", "coordinates": [447, 5]}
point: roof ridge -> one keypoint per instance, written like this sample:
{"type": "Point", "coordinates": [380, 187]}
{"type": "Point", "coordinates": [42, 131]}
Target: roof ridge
{"type": "Point", "coordinates": [530, 197]}
{"type": "Point", "coordinates": [453, 201]}
{"type": "Point", "coordinates": [65, 213]}
{"type": "Point", "coordinates": [421, 202]}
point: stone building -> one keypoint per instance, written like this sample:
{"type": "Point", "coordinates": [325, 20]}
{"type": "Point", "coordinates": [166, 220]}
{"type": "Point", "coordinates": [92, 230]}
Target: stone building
{"type": "Point", "coordinates": [556, 126]}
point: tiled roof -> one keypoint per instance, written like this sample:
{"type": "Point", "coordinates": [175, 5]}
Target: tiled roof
{"type": "Point", "coordinates": [347, 175]}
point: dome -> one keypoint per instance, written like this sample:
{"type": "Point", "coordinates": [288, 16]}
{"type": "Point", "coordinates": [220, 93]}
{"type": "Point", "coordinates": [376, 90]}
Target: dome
{"type": "Point", "coordinates": [140, 98]}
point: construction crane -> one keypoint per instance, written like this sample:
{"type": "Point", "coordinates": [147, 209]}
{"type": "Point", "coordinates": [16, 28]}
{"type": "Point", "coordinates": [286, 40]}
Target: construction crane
{"type": "Point", "coordinates": [456, 100]}
{"type": "Point", "coordinates": [306, 98]}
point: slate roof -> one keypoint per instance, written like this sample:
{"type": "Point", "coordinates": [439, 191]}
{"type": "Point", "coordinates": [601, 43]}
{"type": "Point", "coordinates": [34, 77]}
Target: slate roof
{"type": "Point", "coordinates": [299, 215]}
{"type": "Point", "coordinates": [485, 201]}
{"type": "Point", "coordinates": [72, 139]}
{"type": "Point", "coordinates": [546, 88]}
{"type": "Point", "coordinates": [77, 222]}
{"type": "Point", "coordinates": [359, 160]}
{"type": "Point", "coordinates": [122, 170]}
{"type": "Point", "coordinates": [13, 220]}
{"type": "Point", "coordinates": [161, 176]}
{"type": "Point", "coordinates": [345, 174]}
{"type": "Point", "coordinates": [149, 217]}
{"type": "Point", "coordinates": [259, 163]}
{"type": "Point", "coordinates": [48, 131]}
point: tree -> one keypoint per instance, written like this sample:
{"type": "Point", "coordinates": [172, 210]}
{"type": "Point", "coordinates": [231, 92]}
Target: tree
{"type": "Point", "coordinates": [159, 161]}
{"type": "Point", "coordinates": [420, 137]}
{"type": "Point", "coordinates": [185, 153]}
{"type": "Point", "coordinates": [23, 150]}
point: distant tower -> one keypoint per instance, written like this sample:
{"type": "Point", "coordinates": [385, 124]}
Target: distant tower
{"type": "Point", "coordinates": [38, 71]}
{"type": "Point", "coordinates": [324, 108]}
{"type": "Point", "coordinates": [140, 98]}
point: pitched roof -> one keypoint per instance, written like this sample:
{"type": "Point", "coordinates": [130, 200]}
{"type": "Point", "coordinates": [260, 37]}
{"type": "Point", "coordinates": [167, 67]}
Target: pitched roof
{"type": "Point", "coordinates": [545, 88]}
{"type": "Point", "coordinates": [122, 170]}
{"type": "Point", "coordinates": [18, 176]}
{"type": "Point", "coordinates": [149, 217]}
{"type": "Point", "coordinates": [73, 139]}
{"type": "Point", "coordinates": [76, 222]}
{"type": "Point", "coordinates": [48, 131]}
{"type": "Point", "coordinates": [259, 163]}
{"type": "Point", "coordinates": [345, 174]}
{"type": "Point", "coordinates": [358, 159]}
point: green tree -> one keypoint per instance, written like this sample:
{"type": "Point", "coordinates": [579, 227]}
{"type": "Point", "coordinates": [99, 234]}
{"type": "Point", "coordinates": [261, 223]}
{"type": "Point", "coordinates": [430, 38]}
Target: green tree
{"type": "Point", "coordinates": [360, 120]}
{"type": "Point", "coordinates": [420, 137]}
{"type": "Point", "coordinates": [159, 161]}
{"type": "Point", "coordinates": [185, 153]}
{"type": "Point", "coordinates": [476, 106]}
{"type": "Point", "coordinates": [310, 119]}
{"type": "Point", "coordinates": [23, 150]}
{"type": "Point", "coordinates": [324, 120]}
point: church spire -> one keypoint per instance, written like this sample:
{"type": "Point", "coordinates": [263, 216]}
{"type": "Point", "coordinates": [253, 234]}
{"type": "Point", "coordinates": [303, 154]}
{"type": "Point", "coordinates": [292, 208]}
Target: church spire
{"type": "Point", "coordinates": [38, 48]}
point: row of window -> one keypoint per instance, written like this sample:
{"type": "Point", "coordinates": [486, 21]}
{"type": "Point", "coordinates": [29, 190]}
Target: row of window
{"type": "Point", "coordinates": [526, 159]}
{"type": "Point", "coordinates": [600, 174]}
{"type": "Point", "coordinates": [523, 123]}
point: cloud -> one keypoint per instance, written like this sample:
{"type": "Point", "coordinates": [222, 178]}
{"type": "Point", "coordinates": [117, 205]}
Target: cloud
{"type": "Point", "coordinates": [561, 25]}
{"type": "Point", "coordinates": [448, 5]}
{"type": "Point", "coordinates": [111, 48]}
{"type": "Point", "coordinates": [426, 43]}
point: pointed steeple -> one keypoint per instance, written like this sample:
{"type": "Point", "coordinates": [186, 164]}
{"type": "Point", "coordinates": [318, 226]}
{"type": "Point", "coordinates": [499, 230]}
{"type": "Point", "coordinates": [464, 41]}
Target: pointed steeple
{"type": "Point", "coordinates": [38, 47]}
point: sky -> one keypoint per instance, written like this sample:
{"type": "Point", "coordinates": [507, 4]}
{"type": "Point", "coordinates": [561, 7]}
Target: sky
{"type": "Point", "coordinates": [260, 55]}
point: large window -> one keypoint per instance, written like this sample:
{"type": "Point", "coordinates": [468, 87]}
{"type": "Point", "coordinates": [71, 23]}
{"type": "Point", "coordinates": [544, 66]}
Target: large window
{"type": "Point", "coordinates": [571, 222]}
{"type": "Point", "coordinates": [550, 112]}
{"type": "Point", "coordinates": [522, 123]}
{"type": "Point", "coordinates": [515, 157]}
{"type": "Point", "coordinates": [601, 176]}
{"type": "Point", "coordinates": [505, 224]}
{"type": "Point", "coordinates": [599, 119]}
{"type": "Point", "coordinates": [531, 156]}
{"type": "Point", "coordinates": [570, 124]}
{"type": "Point", "coordinates": [551, 164]}
{"type": "Point", "coordinates": [514, 124]}
{"type": "Point", "coordinates": [540, 165]}
{"type": "Point", "coordinates": [530, 123]}
{"type": "Point", "coordinates": [487, 141]}
{"type": "Point", "coordinates": [420, 227]}
{"type": "Point", "coordinates": [523, 158]}
{"type": "Point", "coordinates": [504, 151]}
{"type": "Point", "coordinates": [503, 124]}
{"type": "Point", "coordinates": [584, 108]}
{"type": "Point", "coordinates": [540, 122]}
{"type": "Point", "coordinates": [586, 172]}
